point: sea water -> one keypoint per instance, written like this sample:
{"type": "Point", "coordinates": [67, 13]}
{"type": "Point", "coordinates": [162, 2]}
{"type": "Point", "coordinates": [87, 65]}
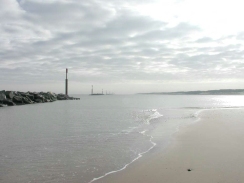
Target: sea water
{"type": "Point", "coordinates": [85, 140]}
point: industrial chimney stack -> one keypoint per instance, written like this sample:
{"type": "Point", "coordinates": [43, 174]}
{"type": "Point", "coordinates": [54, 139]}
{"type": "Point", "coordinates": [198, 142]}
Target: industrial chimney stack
{"type": "Point", "coordinates": [66, 83]}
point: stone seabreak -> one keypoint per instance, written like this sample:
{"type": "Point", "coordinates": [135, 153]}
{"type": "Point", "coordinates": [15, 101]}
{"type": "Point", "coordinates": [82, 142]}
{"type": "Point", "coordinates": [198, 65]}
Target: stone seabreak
{"type": "Point", "coordinates": [12, 98]}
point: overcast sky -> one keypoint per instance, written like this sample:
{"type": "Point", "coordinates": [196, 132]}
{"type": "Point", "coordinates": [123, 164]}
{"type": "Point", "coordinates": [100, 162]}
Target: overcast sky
{"type": "Point", "coordinates": [122, 46]}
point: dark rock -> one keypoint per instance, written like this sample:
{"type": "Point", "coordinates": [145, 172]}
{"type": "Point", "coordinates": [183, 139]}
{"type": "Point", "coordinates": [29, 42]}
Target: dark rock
{"type": "Point", "coordinates": [53, 97]}
{"type": "Point", "coordinates": [27, 101]}
{"type": "Point", "coordinates": [16, 93]}
{"type": "Point", "coordinates": [9, 94]}
{"type": "Point", "coordinates": [21, 93]}
{"type": "Point", "coordinates": [49, 97]}
{"type": "Point", "coordinates": [31, 97]}
{"type": "Point", "coordinates": [2, 95]}
{"type": "Point", "coordinates": [38, 96]}
{"type": "Point", "coordinates": [38, 100]}
{"type": "Point", "coordinates": [18, 100]}
{"type": "Point", "coordinates": [3, 105]}
{"type": "Point", "coordinates": [28, 96]}
{"type": "Point", "coordinates": [8, 102]}
{"type": "Point", "coordinates": [62, 97]}
{"type": "Point", "coordinates": [11, 98]}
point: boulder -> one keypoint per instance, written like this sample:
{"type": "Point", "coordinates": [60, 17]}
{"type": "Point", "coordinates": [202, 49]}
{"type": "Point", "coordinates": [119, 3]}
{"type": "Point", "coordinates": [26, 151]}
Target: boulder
{"type": "Point", "coordinates": [46, 100]}
{"type": "Point", "coordinates": [28, 96]}
{"type": "Point", "coordinates": [9, 94]}
{"type": "Point", "coordinates": [9, 102]}
{"type": "Point", "coordinates": [62, 97]}
{"type": "Point", "coordinates": [2, 95]}
{"type": "Point", "coordinates": [3, 105]}
{"type": "Point", "coordinates": [21, 93]}
{"type": "Point", "coordinates": [31, 97]}
{"type": "Point", "coordinates": [38, 100]}
{"type": "Point", "coordinates": [49, 96]}
{"type": "Point", "coordinates": [38, 96]}
{"type": "Point", "coordinates": [18, 93]}
{"type": "Point", "coordinates": [18, 100]}
{"type": "Point", "coordinates": [27, 101]}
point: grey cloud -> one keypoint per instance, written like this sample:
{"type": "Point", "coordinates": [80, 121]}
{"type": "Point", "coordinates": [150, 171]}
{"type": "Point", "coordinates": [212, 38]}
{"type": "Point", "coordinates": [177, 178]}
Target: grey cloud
{"type": "Point", "coordinates": [67, 16]}
{"type": "Point", "coordinates": [204, 40]}
{"type": "Point", "coordinates": [127, 23]}
{"type": "Point", "coordinates": [179, 31]}
{"type": "Point", "coordinates": [208, 62]}
{"type": "Point", "coordinates": [102, 42]}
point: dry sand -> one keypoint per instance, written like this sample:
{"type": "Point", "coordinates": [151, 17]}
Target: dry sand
{"type": "Point", "coordinates": [213, 148]}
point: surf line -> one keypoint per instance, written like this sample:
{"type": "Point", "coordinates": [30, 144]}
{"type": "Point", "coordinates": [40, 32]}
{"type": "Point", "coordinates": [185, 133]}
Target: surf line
{"type": "Point", "coordinates": [139, 156]}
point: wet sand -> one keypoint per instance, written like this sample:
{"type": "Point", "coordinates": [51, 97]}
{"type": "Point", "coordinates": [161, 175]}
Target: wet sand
{"type": "Point", "coordinates": [211, 148]}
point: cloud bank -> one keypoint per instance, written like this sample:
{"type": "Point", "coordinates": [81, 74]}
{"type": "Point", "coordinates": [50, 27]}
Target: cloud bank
{"type": "Point", "coordinates": [115, 45]}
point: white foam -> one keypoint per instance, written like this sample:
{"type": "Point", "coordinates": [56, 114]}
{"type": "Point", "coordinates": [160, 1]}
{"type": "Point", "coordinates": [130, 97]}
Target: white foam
{"type": "Point", "coordinates": [197, 113]}
{"type": "Point", "coordinates": [150, 114]}
{"type": "Point", "coordinates": [155, 115]}
{"type": "Point", "coordinates": [131, 129]}
{"type": "Point", "coordinates": [139, 156]}
{"type": "Point", "coordinates": [143, 132]}
{"type": "Point", "coordinates": [149, 117]}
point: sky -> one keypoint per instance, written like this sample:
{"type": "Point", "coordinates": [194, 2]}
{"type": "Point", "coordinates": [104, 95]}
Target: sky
{"type": "Point", "coordinates": [121, 46]}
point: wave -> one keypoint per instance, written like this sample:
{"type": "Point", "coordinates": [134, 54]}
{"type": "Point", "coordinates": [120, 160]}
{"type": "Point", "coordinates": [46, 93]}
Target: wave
{"type": "Point", "coordinates": [197, 113]}
{"type": "Point", "coordinates": [143, 132]}
{"type": "Point", "coordinates": [125, 166]}
{"type": "Point", "coordinates": [144, 116]}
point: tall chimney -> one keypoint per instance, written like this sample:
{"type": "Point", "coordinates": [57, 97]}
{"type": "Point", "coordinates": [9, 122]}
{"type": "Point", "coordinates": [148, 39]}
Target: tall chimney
{"type": "Point", "coordinates": [66, 83]}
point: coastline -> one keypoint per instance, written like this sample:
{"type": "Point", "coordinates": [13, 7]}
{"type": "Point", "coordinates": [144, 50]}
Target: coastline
{"type": "Point", "coordinates": [211, 149]}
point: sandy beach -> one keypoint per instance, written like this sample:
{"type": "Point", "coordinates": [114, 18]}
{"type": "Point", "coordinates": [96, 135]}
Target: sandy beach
{"type": "Point", "coordinates": [211, 148]}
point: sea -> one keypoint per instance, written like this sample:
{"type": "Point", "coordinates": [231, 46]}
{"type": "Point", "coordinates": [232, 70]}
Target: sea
{"type": "Point", "coordinates": [82, 141]}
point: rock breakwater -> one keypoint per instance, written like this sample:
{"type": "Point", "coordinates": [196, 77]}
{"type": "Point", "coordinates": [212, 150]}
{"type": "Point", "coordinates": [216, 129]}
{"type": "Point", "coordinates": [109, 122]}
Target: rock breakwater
{"type": "Point", "coordinates": [12, 98]}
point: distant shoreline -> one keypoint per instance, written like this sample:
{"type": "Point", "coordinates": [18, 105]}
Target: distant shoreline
{"type": "Point", "coordinates": [208, 92]}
